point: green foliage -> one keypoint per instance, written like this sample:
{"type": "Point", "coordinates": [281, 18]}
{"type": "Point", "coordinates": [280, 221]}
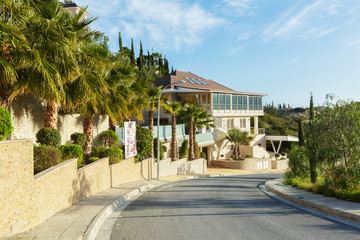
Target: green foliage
{"type": "Point", "coordinates": [161, 149]}
{"type": "Point", "coordinates": [248, 156]}
{"type": "Point", "coordinates": [277, 155]}
{"type": "Point", "coordinates": [5, 123]}
{"type": "Point", "coordinates": [72, 151]}
{"type": "Point", "coordinates": [300, 133]}
{"type": "Point", "coordinates": [97, 151]}
{"type": "Point", "coordinates": [298, 163]}
{"type": "Point", "coordinates": [233, 156]}
{"type": "Point", "coordinates": [91, 160]}
{"type": "Point", "coordinates": [108, 138]}
{"type": "Point", "coordinates": [48, 137]}
{"type": "Point", "coordinates": [45, 157]}
{"type": "Point", "coordinates": [113, 153]}
{"type": "Point", "coordinates": [143, 143]}
{"type": "Point", "coordinates": [203, 155]}
{"type": "Point", "coordinates": [184, 150]}
{"type": "Point", "coordinates": [78, 138]}
{"type": "Point", "coordinates": [238, 138]}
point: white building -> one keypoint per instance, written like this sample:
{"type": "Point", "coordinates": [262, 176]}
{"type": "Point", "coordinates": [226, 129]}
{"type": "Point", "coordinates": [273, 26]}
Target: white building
{"type": "Point", "coordinates": [229, 108]}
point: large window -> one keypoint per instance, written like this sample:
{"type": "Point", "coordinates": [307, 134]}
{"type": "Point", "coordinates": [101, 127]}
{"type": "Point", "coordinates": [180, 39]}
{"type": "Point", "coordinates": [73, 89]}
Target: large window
{"type": "Point", "coordinates": [228, 103]}
{"type": "Point", "coordinates": [239, 102]}
{"type": "Point", "coordinates": [234, 102]}
{"type": "Point", "coordinates": [251, 104]}
{"type": "Point", "coordinates": [230, 124]}
{"type": "Point", "coordinates": [244, 103]}
{"type": "Point", "coordinates": [215, 98]}
{"type": "Point", "coordinates": [243, 123]}
{"type": "Point", "coordinates": [259, 103]}
{"type": "Point", "coordinates": [222, 101]}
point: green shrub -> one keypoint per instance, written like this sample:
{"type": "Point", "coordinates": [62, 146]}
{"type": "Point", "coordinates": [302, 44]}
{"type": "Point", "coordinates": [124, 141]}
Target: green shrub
{"type": "Point", "coordinates": [113, 153]}
{"type": "Point", "coordinates": [298, 163]}
{"type": "Point", "coordinates": [107, 138]}
{"type": "Point", "coordinates": [78, 138]}
{"type": "Point", "coordinates": [143, 143]}
{"type": "Point", "coordinates": [5, 123]}
{"type": "Point", "coordinates": [233, 156]}
{"type": "Point", "coordinates": [161, 149]}
{"type": "Point", "coordinates": [71, 152]}
{"type": "Point", "coordinates": [91, 160]}
{"type": "Point", "coordinates": [45, 157]}
{"type": "Point", "coordinates": [248, 156]}
{"type": "Point", "coordinates": [184, 150]}
{"type": "Point", "coordinates": [277, 155]}
{"type": "Point", "coordinates": [48, 137]}
{"type": "Point", "coordinates": [203, 155]}
{"type": "Point", "coordinates": [97, 151]}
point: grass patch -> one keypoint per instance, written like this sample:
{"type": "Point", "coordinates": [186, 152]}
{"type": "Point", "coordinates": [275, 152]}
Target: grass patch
{"type": "Point", "coordinates": [321, 187]}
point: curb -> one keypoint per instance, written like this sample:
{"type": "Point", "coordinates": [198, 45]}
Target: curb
{"type": "Point", "coordinates": [327, 210]}
{"type": "Point", "coordinates": [94, 227]}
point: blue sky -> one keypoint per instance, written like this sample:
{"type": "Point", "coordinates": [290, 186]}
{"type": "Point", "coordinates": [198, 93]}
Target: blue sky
{"type": "Point", "coordinates": [284, 48]}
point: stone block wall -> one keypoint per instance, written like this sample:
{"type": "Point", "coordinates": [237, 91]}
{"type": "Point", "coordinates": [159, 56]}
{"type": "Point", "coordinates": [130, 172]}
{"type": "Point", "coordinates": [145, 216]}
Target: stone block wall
{"type": "Point", "coordinates": [247, 164]}
{"type": "Point", "coordinates": [27, 200]}
{"type": "Point", "coordinates": [17, 198]}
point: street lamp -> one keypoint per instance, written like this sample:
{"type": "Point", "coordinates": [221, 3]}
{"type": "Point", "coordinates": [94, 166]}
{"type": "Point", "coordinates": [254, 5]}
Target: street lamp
{"type": "Point", "coordinates": [158, 126]}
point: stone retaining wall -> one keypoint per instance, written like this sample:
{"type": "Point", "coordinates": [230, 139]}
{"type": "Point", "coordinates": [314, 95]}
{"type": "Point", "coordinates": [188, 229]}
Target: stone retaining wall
{"type": "Point", "coordinates": [27, 200]}
{"type": "Point", "coordinates": [247, 164]}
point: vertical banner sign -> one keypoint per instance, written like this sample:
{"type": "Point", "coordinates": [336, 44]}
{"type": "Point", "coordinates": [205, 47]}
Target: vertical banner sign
{"type": "Point", "coordinates": [130, 139]}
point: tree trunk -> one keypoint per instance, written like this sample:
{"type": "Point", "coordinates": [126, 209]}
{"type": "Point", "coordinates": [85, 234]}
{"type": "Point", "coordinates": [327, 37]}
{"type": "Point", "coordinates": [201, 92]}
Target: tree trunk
{"type": "Point", "coordinates": [191, 140]}
{"type": "Point", "coordinates": [4, 97]}
{"type": "Point", "coordinates": [88, 129]}
{"type": "Point", "coordinates": [173, 138]}
{"type": "Point", "coordinates": [196, 146]}
{"type": "Point", "coordinates": [112, 124]}
{"type": "Point", "coordinates": [51, 114]}
{"type": "Point", "coordinates": [151, 128]}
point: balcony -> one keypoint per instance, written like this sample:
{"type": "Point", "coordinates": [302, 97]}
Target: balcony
{"type": "Point", "coordinates": [223, 110]}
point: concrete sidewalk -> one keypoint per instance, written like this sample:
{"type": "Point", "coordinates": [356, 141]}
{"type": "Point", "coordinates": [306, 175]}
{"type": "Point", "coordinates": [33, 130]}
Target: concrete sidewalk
{"type": "Point", "coordinates": [349, 211]}
{"type": "Point", "coordinates": [84, 219]}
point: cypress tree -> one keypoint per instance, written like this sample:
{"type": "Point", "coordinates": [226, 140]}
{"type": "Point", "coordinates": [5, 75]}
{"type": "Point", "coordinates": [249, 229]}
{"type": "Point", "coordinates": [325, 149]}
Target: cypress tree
{"type": "Point", "coordinates": [141, 57]}
{"type": "Point", "coordinates": [120, 43]}
{"type": "Point", "coordinates": [300, 132]}
{"type": "Point", "coordinates": [172, 68]}
{"type": "Point", "coordinates": [132, 53]}
{"type": "Point", "coordinates": [312, 155]}
{"type": "Point", "coordinates": [166, 66]}
{"type": "Point", "coordinates": [161, 64]}
{"type": "Point", "coordinates": [311, 109]}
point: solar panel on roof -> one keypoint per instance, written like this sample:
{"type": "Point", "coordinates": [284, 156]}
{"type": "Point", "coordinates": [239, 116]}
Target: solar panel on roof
{"type": "Point", "coordinates": [189, 80]}
{"type": "Point", "coordinates": [202, 82]}
{"type": "Point", "coordinates": [196, 81]}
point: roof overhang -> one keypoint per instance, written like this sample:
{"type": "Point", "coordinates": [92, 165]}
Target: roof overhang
{"type": "Point", "coordinates": [282, 138]}
{"type": "Point", "coordinates": [183, 90]}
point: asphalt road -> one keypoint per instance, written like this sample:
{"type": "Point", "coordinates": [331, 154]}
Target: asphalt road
{"type": "Point", "coordinates": [221, 208]}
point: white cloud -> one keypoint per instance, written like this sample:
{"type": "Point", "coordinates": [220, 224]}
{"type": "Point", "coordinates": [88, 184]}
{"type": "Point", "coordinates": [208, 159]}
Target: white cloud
{"type": "Point", "coordinates": [165, 24]}
{"type": "Point", "coordinates": [314, 20]}
{"type": "Point", "coordinates": [239, 6]}
{"type": "Point", "coordinates": [292, 61]}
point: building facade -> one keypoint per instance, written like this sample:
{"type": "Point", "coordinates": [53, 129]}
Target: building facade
{"type": "Point", "coordinates": [229, 108]}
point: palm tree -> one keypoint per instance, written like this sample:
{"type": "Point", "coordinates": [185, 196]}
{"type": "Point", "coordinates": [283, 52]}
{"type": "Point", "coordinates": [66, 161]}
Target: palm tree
{"type": "Point", "coordinates": [89, 92]}
{"type": "Point", "coordinates": [53, 39]}
{"type": "Point", "coordinates": [239, 138]}
{"type": "Point", "coordinates": [173, 108]}
{"type": "Point", "coordinates": [13, 16]}
{"type": "Point", "coordinates": [201, 119]}
{"type": "Point", "coordinates": [187, 115]}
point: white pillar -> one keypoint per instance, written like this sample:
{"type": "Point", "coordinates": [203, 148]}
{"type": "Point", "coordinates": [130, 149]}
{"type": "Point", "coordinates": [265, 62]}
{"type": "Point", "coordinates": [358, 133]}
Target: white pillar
{"type": "Point", "coordinates": [256, 124]}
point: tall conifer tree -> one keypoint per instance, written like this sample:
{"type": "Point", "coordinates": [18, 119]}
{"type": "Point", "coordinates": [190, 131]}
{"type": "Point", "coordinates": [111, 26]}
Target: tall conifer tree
{"type": "Point", "coordinates": [141, 60]}
{"type": "Point", "coordinates": [311, 109]}
{"type": "Point", "coordinates": [132, 53]}
{"type": "Point", "coordinates": [120, 43]}
{"type": "Point", "coordinates": [166, 66]}
{"type": "Point", "coordinates": [300, 132]}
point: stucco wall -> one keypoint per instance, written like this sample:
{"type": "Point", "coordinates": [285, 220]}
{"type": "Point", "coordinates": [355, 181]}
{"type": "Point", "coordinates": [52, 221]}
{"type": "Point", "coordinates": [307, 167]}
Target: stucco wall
{"type": "Point", "coordinates": [180, 166]}
{"type": "Point", "coordinates": [27, 114]}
